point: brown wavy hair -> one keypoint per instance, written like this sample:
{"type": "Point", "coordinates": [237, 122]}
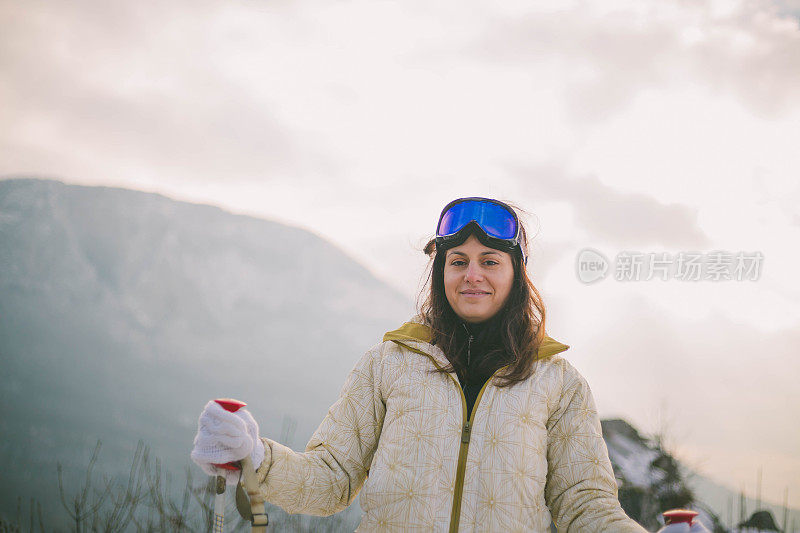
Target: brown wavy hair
{"type": "Point", "coordinates": [517, 328]}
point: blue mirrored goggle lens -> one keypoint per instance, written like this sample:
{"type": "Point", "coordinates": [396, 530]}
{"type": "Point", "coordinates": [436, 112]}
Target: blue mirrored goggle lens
{"type": "Point", "coordinates": [495, 219]}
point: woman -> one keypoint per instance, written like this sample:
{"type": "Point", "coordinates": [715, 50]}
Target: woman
{"type": "Point", "coordinates": [464, 419]}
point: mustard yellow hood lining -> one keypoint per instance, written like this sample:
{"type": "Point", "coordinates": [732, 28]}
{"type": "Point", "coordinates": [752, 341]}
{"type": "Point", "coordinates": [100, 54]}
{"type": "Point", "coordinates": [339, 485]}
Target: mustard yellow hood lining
{"type": "Point", "coordinates": [416, 332]}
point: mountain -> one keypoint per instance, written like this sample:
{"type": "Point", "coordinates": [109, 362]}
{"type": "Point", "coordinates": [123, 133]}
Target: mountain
{"type": "Point", "coordinates": [123, 312]}
{"type": "Point", "coordinates": [651, 480]}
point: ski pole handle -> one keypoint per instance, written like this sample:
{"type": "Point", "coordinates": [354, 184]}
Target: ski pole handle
{"type": "Point", "coordinates": [260, 519]}
{"type": "Point", "coordinates": [231, 405]}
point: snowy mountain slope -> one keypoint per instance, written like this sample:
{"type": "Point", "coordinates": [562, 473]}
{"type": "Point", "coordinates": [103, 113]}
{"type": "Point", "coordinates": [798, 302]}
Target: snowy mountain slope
{"type": "Point", "coordinates": [651, 480]}
{"type": "Point", "coordinates": [629, 452]}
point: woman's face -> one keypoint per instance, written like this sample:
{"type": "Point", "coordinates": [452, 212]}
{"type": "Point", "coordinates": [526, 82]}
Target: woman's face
{"type": "Point", "coordinates": [477, 280]}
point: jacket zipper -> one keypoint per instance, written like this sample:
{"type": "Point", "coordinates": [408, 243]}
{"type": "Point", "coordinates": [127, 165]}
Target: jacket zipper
{"type": "Point", "coordinates": [466, 433]}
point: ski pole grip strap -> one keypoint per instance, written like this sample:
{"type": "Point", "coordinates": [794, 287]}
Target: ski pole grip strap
{"type": "Point", "coordinates": [260, 520]}
{"type": "Point", "coordinates": [256, 497]}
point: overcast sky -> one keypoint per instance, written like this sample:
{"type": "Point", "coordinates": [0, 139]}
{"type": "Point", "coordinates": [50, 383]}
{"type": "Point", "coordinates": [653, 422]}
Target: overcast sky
{"type": "Point", "coordinates": [641, 126]}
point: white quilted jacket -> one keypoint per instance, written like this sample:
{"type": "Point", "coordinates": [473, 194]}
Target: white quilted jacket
{"type": "Point", "coordinates": [528, 454]}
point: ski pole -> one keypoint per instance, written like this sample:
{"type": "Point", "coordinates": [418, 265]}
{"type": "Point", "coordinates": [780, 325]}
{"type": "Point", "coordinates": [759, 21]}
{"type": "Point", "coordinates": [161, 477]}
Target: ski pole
{"type": "Point", "coordinates": [219, 486]}
{"type": "Point", "coordinates": [258, 516]}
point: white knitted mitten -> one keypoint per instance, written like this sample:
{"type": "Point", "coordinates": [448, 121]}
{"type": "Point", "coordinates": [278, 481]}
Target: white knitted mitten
{"type": "Point", "coordinates": [223, 437]}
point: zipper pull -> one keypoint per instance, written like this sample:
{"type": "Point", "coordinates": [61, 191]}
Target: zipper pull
{"type": "Point", "coordinates": [469, 349]}
{"type": "Point", "coordinates": [465, 432]}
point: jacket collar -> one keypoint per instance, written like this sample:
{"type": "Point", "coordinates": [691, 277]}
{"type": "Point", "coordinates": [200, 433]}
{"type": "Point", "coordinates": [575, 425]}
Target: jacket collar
{"type": "Point", "coordinates": [417, 336]}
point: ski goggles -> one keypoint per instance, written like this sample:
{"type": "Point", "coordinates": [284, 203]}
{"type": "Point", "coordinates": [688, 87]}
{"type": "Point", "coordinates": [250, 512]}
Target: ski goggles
{"type": "Point", "coordinates": [497, 223]}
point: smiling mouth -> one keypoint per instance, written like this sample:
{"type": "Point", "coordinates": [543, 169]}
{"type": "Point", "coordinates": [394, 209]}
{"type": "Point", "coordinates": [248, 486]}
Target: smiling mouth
{"type": "Point", "coordinates": [474, 293]}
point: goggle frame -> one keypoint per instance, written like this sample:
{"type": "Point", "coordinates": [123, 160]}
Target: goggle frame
{"type": "Point", "coordinates": [457, 237]}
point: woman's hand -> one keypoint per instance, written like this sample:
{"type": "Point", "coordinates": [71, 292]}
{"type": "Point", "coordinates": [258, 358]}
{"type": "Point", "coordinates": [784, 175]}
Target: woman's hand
{"type": "Point", "coordinates": [224, 437]}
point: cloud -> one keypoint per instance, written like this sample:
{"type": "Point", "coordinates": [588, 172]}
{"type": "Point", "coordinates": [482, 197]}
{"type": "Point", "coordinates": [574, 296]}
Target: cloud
{"type": "Point", "coordinates": [606, 53]}
{"type": "Point", "coordinates": [613, 216]}
{"type": "Point", "coordinates": [789, 8]}
{"type": "Point", "coordinates": [726, 385]}
{"type": "Point", "coordinates": [129, 90]}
